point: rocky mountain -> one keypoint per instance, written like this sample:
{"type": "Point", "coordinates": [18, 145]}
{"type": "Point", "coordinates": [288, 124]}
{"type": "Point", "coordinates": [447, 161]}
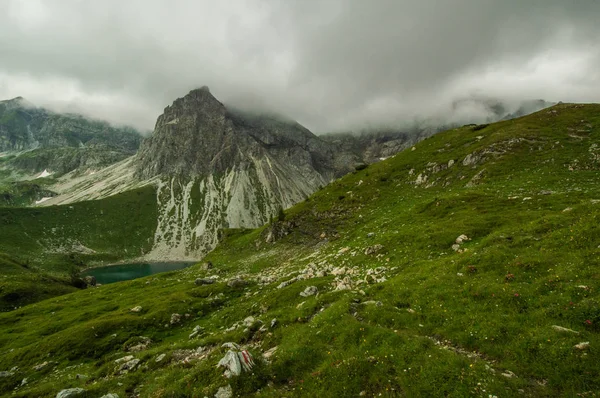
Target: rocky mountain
{"type": "Point", "coordinates": [217, 167]}
{"type": "Point", "coordinates": [467, 267]}
{"type": "Point", "coordinates": [59, 143]}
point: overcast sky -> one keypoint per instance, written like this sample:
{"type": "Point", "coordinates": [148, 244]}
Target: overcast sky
{"type": "Point", "coordinates": [330, 64]}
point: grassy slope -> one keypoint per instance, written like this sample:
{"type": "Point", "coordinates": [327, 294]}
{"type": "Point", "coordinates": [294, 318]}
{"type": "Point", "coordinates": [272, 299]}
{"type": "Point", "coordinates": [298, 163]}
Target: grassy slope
{"type": "Point", "coordinates": [448, 323]}
{"type": "Point", "coordinates": [59, 240]}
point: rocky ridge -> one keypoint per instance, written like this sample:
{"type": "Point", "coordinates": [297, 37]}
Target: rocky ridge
{"type": "Point", "coordinates": [222, 168]}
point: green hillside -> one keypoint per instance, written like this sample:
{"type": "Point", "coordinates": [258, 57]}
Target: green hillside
{"type": "Point", "coordinates": [56, 242]}
{"type": "Point", "coordinates": [406, 305]}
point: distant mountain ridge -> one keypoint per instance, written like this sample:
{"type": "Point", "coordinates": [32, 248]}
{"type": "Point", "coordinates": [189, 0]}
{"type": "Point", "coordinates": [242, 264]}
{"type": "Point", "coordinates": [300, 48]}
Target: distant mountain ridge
{"type": "Point", "coordinates": [61, 142]}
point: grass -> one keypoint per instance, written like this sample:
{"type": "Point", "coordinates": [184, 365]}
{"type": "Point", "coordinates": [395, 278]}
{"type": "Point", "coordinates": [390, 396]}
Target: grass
{"type": "Point", "coordinates": [420, 319]}
{"type": "Point", "coordinates": [56, 242]}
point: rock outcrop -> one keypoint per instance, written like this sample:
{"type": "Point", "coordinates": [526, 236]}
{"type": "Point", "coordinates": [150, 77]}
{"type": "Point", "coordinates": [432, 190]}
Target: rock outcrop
{"type": "Point", "coordinates": [222, 168]}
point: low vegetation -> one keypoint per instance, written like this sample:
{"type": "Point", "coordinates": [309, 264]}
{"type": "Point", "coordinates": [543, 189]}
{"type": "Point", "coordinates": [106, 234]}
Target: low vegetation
{"type": "Point", "coordinates": [465, 266]}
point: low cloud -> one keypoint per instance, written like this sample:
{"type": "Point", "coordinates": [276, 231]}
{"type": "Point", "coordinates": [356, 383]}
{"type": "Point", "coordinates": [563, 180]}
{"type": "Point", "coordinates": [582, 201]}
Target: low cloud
{"type": "Point", "coordinates": [332, 65]}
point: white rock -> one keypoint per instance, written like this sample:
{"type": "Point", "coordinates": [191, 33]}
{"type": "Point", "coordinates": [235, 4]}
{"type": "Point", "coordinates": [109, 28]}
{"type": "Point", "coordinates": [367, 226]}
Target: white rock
{"type": "Point", "coordinates": [160, 357]}
{"type": "Point", "coordinates": [124, 359]}
{"type": "Point", "coordinates": [461, 239]}
{"type": "Point", "coordinates": [235, 361]}
{"type": "Point", "coordinates": [137, 309]}
{"type": "Point", "coordinates": [224, 392]}
{"type": "Point", "coordinates": [309, 291]}
{"type": "Point", "coordinates": [70, 392]}
{"type": "Point", "coordinates": [562, 329]}
{"type": "Point", "coordinates": [583, 346]}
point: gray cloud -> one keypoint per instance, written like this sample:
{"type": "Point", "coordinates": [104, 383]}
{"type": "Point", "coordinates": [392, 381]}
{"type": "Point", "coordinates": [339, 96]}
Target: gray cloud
{"type": "Point", "coordinates": [330, 64]}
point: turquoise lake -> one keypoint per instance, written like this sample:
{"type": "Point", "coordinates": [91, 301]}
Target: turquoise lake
{"type": "Point", "coordinates": [125, 272]}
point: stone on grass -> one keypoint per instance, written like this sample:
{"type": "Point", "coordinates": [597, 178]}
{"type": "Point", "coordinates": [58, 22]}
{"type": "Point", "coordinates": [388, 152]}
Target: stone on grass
{"type": "Point", "coordinates": [129, 366]}
{"type": "Point", "coordinates": [249, 321]}
{"type": "Point", "coordinates": [235, 360]}
{"type": "Point", "coordinates": [236, 282]}
{"type": "Point", "coordinates": [110, 395]}
{"type": "Point", "coordinates": [195, 332]}
{"type": "Point", "coordinates": [6, 374]}
{"type": "Point", "coordinates": [461, 239]}
{"type": "Point", "coordinates": [160, 357]}
{"type": "Point", "coordinates": [124, 359]}
{"type": "Point", "coordinates": [583, 346]}
{"type": "Point", "coordinates": [136, 309]}
{"type": "Point", "coordinates": [309, 291]}
{"type": "Point", "coordinates": [204, 281]}
{"type": "Point", "coordinates": [373, 249]}
{"type": "Point", "coordinates": [563, 329]}
{"type": "Point", "coordinates": [71, 392]}
{"type": "Point", "coordinates": [273, 322]}
{"type": "Point", "coordinates": [175, 318]}
{"type": "Point", "coordinates": [40, 366]}
{"type": "Point", "coordinates": [224, 392]}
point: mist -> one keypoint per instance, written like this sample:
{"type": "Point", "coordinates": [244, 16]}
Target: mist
{"type": "Point", "coordinates": [332, 65]}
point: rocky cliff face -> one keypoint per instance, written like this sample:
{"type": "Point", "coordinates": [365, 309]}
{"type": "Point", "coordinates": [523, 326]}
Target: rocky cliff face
{"type": "Point", "coordinates": [221, 168]}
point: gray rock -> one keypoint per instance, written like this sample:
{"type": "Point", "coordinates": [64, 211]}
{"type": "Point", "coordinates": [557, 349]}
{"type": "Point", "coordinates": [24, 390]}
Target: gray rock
{"type": "Point", "coordinates": [235, 360]}
{"type": "Point", "coordinates": [224, 392]}
{"type": "Point", "coordinates": [129, 366]}
{"type": "Point", "coordinates": [136, 309]}
{"type": "Point", "coordinates": [110, 395]}
{"type": "Point", "coordinates": [71, 392]}
{"type": "Point", "coordinates": [236, 282]}
{"type": "Point", "coordinates": [6, 374]}
{"type": "Point", "coordinates": [309, 291]}
{"type": "Point", "coordinates": [373, 249]}
{"type": "Point", "coordinates": [160, 357]}
{"type": "Point", "coordinates": [564, 330]}
{"type": "Point", "coordinates": [175, 319]}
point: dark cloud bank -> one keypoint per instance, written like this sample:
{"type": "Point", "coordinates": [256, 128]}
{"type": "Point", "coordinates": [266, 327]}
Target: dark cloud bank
{"type": "Point", "coordinates": [330, 64]}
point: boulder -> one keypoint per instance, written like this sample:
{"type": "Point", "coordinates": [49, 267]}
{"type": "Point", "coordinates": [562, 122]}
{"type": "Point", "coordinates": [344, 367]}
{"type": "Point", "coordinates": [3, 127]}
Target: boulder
{"type": "Point", "coordinates": [175, 319]}
{"type": "Point", "coordinates": [204, 281]}
{"type": "Point", "coordinates": [309, 291]}
{"type": "Point", "coordinates": [236, 282]}
{"type": "Point", "coordinates": [224, 392]}
{"type": "Point", "coordinates": [129, 366]}
{"type": "Point", "coordinates": [235, 360]}
{"type": "Point", "coordinates": [71, 392]}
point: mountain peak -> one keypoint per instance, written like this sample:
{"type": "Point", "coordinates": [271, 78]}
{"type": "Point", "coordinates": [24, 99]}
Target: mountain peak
{"type": "Point", "coordinates": [17, 102]}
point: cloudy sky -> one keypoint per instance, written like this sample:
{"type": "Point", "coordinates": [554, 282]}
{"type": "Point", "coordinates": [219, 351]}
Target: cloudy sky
{"type": "Point", "coordinates": [330, 64]}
